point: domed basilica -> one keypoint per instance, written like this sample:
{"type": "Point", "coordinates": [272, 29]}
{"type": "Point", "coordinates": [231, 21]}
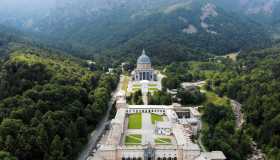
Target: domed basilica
{"type": "Point", "coordinates": [144, 70]}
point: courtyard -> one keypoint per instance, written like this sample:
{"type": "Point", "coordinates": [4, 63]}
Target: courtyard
{"type": "Point", "coordinates": [141, 130]}
{"type": "Point", "coordinates": [150, 131]}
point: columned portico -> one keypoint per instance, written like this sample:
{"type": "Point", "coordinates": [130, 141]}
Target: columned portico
{"type": "Point", "coordinates": [151, 132]}
{"type": "Point", "coordinates": [144, 70]}
{"type": "Point", "coordinates": [143, 75]}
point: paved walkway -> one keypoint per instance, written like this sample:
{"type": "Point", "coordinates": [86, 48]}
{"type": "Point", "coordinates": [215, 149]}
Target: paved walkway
{"type": "Point", "coordinates": [148, 129]}
{"type": "Point", "coordinates": [145, 99]}
{"type": "Point", "coordinates": [99, 130]}
{"type": "Point", "coordinates": [236, 107]}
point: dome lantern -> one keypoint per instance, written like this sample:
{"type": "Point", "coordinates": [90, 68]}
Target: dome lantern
{"type": "Point", "coordinates": [143, 59]}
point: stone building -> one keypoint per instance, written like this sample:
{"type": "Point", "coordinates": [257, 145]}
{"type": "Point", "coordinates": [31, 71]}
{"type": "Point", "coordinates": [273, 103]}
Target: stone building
{"type": "Point", "coordinates": [164, 128]}
{"type": "Point", "coordinates": [144, 70]}
{"type": "Point", "coordinates": [166, 138]}
{"type": "Point", "coordinates": [181, 147]}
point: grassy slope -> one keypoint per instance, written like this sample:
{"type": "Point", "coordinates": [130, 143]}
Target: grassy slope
{"type": "Point", "coordinates": [59, 65]}
{"type": "Point", "coordinates": [212, 97]}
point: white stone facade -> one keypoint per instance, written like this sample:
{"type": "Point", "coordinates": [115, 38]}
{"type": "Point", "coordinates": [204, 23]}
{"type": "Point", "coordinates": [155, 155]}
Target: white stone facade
{"type": "Point", "coordinates": [144, 70]}
{"type": "Point", "coordinates": [182, 149]}
{"type": "Point", "coordinates": [164, 138]}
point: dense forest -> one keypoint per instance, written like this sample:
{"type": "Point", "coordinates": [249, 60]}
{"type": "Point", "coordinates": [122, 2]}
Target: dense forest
{"type": "Point", "coordinates": [219, 131]}
{"type": "Point", "coordinates": [171, 31]}
{"type": "Point", "coordinates": [159, 98]}
{"type": "Point", "coordinates": [39, 118]}
{"type": "Point", "coordinates": [254, 81]}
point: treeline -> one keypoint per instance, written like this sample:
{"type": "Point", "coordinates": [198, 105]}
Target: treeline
{"type": "Point", "coordinates": [159, 98]}
{"type": "Point", "coordinates": [177, 73]}
{"type": "Point", "coordinates": [254, 81]}
{"type": "Point", "coordinates": [116, 33]}
{"type": "Point", "coordinates": [219, 129]}
{"type": "Point", "coordinates": [220, 133]}
{"type": "Point", "coordinates": [135, 98]}
{"type": "Point", "coordinates": [180, 72]}
{"type": "Point", "coordinates": [49, 104]}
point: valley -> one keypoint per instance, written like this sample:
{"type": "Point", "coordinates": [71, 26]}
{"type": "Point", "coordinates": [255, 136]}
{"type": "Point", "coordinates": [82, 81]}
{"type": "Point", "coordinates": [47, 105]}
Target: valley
{"type": "Point", "coordinates": [74, 85]}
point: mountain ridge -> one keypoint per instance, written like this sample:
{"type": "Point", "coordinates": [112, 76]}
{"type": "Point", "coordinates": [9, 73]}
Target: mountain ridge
{"type": "Point", "coordinates": [121, 28]}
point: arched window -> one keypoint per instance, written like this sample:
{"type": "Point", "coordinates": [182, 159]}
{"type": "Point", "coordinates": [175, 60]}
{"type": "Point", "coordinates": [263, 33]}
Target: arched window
{"type": "Point", "coordinates": [134, 158]}
{"type": "Point", "coordinates": [169, 158]}
{"type": "Point", "coordinates": [164, 158]}
{"type": "Point", "coordinates": [139, 158]}
{"type": "Point", "coordinates": [175, 158]}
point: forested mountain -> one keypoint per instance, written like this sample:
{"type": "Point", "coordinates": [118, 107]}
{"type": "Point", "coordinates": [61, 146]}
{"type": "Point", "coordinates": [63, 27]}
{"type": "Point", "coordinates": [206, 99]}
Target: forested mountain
{"type": "Point", "coordinates": [8, 38]}
{"type": "Point", "coordinates": [185, 24]}
{"type": "Point", "coordinates": [254, 81]}
{"type": "Point", "coordinates": [121, 28]}
{"type": "Point", "coordinates": [39, 118]}
{"type": "Point", "coordinates": [263, 11]}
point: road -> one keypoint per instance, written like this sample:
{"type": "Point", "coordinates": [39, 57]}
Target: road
{"type": "Point", "coordinates": [257, 153]}
{"type": "Point", "coordinates": [200, 143]}
{"type": "Point", "coordinates": [236, 107]}
{"type": "Point", "coordinates": [97, 133]}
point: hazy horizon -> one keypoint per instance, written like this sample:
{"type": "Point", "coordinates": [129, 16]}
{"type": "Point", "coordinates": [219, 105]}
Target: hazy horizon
{"type": "Point", "coordinates": [25, 6]}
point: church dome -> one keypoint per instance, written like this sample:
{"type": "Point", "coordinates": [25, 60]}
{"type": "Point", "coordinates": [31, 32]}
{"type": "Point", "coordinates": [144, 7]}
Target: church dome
{"type": "Point", "coordinates": [143, 59]}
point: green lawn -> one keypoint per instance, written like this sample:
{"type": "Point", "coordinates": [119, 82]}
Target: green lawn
{"type": "Point", "coordinates": [152, 85]}
{"type": "Point", "coordinates": [136, 86]}
{"type": "Point", "coordinates": [163, 141]}
{"type": "Point", "coordinates": [153, 89]}
{"type": "Point", "coordinates": [133, 139]}
{"type": "Point", "coordinates": [135, 121]}
{"type": "Point", "coordinates": [155, 117]}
